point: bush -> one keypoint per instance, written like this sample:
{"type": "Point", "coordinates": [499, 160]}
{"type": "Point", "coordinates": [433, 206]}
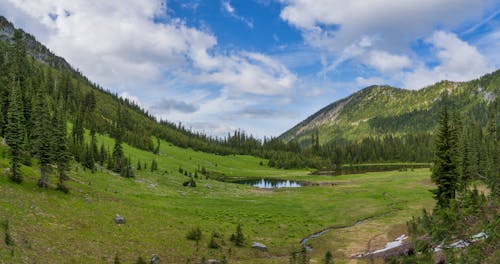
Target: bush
{"type": "Point", "coordinates": [238, 238]}
{"type": "Point", "coordinates": [214, 244]}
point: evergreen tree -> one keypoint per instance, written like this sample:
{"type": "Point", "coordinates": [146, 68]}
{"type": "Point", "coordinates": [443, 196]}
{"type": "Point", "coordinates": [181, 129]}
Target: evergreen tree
{"type": "Point", "coordinates": [238, 238]}
{"type": "Point", "coordinates": [328, 257]}
{"type": "Point", "coordinates": [195, 235]}
{"type": "Point", "coordinates": [88, 158]}
{"type": "Point", "coordinates": [77, 135]}
{"type": "Point", "coordinates": [61, 153]}
{"type": "Point", "coordinates": [14, 133]}
{"type": "Point", "coordinates": [102, 154]}
{"type": "Point", "coordinates": [118, 156]}
{"type": "Point", "coordinates": [157, 149]}
{"type": "Point", "coordinates": [445, 174]}
{"type": "Point", "coordinates": [493, 154]}
{"type": "Point", "coordinates": [42, 136]}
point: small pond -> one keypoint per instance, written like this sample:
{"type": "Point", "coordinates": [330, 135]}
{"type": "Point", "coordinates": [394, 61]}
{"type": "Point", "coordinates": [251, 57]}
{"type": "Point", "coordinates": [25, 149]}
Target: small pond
{"type": "Point", "coordinates": [270, 183]}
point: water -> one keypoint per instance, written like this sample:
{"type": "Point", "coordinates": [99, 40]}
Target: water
{"type": "Point", "coordinates": [271, 183]}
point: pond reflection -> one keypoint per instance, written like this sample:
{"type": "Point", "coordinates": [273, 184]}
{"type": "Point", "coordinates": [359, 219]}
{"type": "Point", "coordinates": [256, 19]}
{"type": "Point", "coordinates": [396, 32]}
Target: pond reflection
{"type": "Point", "coordinates": [271, 183]}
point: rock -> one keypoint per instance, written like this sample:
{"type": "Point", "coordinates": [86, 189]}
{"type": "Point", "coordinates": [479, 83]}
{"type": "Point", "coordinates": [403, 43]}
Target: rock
{"type": "Point", "coordinates": [213, 261]}
{"type": "Point", "coordinates": [119, 219]}
{"type": "Point", "coordinates": [439, 258]}
{"type": "Point", "coordinates": [155, 259]}
{"type": "Point", "coordinates": [259, 246]}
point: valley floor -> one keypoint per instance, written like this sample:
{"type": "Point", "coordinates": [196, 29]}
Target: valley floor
{"type": "Point", "coordinates": [51, 227]}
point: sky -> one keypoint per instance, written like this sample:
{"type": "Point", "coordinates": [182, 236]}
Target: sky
{"type": "Point", "coordinates": [261, 66]}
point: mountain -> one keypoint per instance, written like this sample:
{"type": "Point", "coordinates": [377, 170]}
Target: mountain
{"type": "Point", "coordinates": [381, 110]}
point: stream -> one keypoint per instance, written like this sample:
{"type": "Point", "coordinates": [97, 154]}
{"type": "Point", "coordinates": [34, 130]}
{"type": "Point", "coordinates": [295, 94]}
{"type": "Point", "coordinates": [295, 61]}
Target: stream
{"type": "Point", "coordinates": [303, 242]}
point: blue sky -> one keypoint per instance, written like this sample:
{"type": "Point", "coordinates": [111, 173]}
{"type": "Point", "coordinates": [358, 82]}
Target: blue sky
{"type": "Point", "coordinates": [262, 65]}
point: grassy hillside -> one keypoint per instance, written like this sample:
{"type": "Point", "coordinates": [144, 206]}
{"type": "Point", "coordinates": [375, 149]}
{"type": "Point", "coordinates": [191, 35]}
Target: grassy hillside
{"type": "Point", "coordinates": [49, 226]}
{"type": "Point", "coordinates": [381, 110]}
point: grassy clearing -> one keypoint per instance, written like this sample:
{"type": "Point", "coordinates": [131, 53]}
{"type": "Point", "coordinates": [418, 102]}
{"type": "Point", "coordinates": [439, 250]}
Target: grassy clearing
{"type": "Point", "coordinates": [48, 226]}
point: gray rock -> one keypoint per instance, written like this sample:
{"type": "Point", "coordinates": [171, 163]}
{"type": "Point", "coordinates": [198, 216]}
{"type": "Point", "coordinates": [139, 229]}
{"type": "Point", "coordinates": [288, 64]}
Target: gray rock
{"type": "Point", "coordinates": [213, 261]}
{"type": "Point", "coordinates": [155, 259]}
{"type": "Point", "coordinates": [259, 246]}
{"type": "Point", "coordinates": [119, 219]}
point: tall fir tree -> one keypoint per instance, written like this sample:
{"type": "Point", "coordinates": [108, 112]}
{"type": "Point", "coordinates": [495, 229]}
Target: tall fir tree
{"type": "Point", "coordinates": [445, 170]}
{"type": "Point", "coordinates": [43, 140]}
{"type": "Point", "coordinates": [118, 156]}
{"type": "Point", "coordinates": [61, 152]}
{"type": "Point", "coordinates": [15, 132]}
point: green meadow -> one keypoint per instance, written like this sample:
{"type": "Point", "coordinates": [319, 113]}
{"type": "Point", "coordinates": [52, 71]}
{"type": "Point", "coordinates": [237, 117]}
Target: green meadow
{"type": "Point", "coordinates": [48, 226]}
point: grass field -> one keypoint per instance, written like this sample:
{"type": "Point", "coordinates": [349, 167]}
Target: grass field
{"type": "Point", "coordinates": [51, 227]}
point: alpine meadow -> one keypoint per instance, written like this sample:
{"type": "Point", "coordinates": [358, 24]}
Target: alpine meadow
{"type": "Point", "coordinates": [197, 132]}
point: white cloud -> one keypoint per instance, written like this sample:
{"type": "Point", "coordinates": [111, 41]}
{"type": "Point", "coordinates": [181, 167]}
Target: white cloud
{"type": "Point", "coordinates": [393, 22]}
{"type": "Point", "coordinates": [123, 46]}
{"type": "Point", "coordinates": [377, 33]}
{"type": "Point", "coordinates": [386, 62]}
{"type": "Point", "coordinates": [458, 61]}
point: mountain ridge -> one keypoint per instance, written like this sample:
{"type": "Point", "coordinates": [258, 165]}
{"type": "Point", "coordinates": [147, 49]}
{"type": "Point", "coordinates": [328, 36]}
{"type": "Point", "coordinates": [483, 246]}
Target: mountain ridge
{"type": "Point", "coordinates": [365, 112]}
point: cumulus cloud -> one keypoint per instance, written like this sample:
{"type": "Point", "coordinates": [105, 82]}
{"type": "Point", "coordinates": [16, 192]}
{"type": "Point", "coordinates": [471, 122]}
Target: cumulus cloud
{"type": "Point", "coordinates": [386, 62]}
{"type": "Point", "coordinates": [458, 61]}
{"type": "Point", "coordinates": [122, 44]}
{"type": "Point", "coordinates": [138, 47]}
{"type": "Point", "coordinates": [248, 72]}
{"type": "Point", "coordinates": [335, 24]}
{"type": "Point", "coordinates": [379, 33]}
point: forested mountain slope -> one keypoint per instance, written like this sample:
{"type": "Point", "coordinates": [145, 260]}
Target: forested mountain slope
{"type": "Point", "coordinates": [89, 104]}
{"type": "Point", "coordinates": [383, 110]}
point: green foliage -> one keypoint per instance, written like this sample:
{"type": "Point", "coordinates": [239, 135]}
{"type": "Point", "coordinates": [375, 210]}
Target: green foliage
{"type": "Point", "coordinates": [299, 256]}
{"type": "Point", "coordinates": [238, 238]}
{"type": "Point", "coordinates": [8, 238]}
{"type": "Point", "coordinates": [215, 241]}
{"type": "Point", "coordinates": [462, 158]}
{"type": "Point", "coordinates": [14, 133]}
{"type": "Point", "coordinates": [328, 257]}
{"type": "Point", "coordinates": [196, 235]}
{"type": "Point", "coordinates": [445, 170]}
{"type": "Point", "coordinates": [60, 149]}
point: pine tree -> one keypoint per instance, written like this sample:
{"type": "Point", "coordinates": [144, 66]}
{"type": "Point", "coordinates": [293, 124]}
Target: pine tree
{"type": "Point", "coordinates": [14, 133]}
{"type": "Point", "coordinates": [88, 158]}
{"type": "Point", "coordinates": [102, 154]}
{"type": "Point", "coordinates": [42, 136]}
{"type": "Point", "coordinates": [157, 149]}
{"type": "Point", "coordinates": [77, 135]}
{"type": "Point", "coordinates": [118, 156]}
{"type": "Point", "coordinates": [445, 174]}
{"type": "Point", "coordinates": [238, 238]}
{"type": "Point", "coordinates": [61, 153]}
{"type": "Point", "coordinates": [493, 151]}
{"type": "Point", "coordinates": [328, 257]}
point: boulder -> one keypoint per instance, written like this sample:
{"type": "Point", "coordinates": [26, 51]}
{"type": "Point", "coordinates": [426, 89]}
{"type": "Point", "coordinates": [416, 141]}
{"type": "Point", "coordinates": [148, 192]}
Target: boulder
{"type": "Point", "coordinates": [259, 246]}
{"type": "Point", "coordinates": [119, 219]}
{"type": "Point", "coordinates": [155, 259]}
